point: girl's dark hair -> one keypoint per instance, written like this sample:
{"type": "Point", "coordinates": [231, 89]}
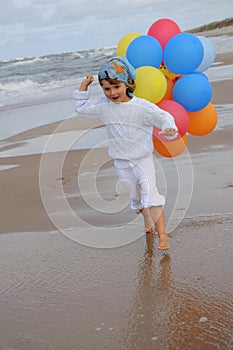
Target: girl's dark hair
{"type": "Point", "coordinates": [130, 86]}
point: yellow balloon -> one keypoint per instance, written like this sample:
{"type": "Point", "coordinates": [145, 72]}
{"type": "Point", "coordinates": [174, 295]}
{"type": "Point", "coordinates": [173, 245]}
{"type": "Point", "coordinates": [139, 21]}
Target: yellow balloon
{"type": "Point", "coordinates": [124, 43]}
{"type": "Point", "coordinates": [150, 83]}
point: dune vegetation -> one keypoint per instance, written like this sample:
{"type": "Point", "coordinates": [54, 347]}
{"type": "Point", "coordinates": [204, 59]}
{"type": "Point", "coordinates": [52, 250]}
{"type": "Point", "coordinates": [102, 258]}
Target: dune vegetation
{"type": "Point", "coordinates": [213, 25]}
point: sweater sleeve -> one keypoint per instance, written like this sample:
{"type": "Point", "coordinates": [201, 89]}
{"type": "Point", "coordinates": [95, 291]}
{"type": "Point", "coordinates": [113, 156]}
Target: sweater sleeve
{"type": "Point", "coordinates": [159, 118]}
{"type": "Point", "coordinates": [86, 106]}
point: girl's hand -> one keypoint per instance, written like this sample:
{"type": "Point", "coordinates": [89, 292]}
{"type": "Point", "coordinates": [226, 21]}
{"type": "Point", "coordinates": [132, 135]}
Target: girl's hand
{"type": "Point", "coordinates": [168, 132]}
{"type": "Point", "coordinates": [86, 82]}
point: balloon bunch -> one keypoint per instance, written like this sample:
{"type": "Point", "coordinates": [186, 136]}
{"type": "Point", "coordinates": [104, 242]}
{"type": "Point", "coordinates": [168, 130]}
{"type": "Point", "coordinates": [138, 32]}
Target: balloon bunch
{"type": "Point", "coordinates": [169, 68]}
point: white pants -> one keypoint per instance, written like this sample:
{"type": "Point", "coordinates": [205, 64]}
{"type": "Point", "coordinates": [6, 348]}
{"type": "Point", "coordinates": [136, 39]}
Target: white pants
{"type": "Point", "coordinates": [139, 179]}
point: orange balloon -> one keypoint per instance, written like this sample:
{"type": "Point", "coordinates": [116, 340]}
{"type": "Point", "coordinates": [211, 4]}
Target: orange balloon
{"type": "Point", "coordinates": [170, 149]}
{"type": "Point", "coordinates": [168, 94]}
{"type": "Point", "coordinates": [203, 121]}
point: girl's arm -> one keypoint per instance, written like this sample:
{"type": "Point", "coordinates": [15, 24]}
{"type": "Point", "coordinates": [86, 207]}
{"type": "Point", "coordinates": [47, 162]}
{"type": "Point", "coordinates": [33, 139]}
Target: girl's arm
{"type": "Point", "coordinates": [163, 120]}
{"type": "Point", "coordinates": [83, 104]}
{"type": "Point", "coordinates": [86, 82]}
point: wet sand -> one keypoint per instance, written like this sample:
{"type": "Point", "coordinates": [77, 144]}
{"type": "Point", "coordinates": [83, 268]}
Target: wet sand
{"type": "Point", "coordinates": [58, 293]}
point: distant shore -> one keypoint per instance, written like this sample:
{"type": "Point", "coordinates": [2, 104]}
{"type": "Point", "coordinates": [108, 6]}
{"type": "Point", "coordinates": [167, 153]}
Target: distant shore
{"type": "Point", "coordinates": [222, 27]}
{"type": "Point", "coordinates": [216, 32]}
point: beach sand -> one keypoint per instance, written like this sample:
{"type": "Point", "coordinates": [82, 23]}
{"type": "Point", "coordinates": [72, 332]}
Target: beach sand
{"type": "Point", "coordinates": [62, 289]}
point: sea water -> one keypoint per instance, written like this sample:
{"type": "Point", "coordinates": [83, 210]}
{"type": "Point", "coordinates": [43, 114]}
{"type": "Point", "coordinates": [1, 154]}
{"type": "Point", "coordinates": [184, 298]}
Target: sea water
{"type": "Point", "coordinates": [50, 77]}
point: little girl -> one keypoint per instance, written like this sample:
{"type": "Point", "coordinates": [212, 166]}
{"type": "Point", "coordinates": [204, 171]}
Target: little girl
{"type": "Point", "coordinates": [129, 123]}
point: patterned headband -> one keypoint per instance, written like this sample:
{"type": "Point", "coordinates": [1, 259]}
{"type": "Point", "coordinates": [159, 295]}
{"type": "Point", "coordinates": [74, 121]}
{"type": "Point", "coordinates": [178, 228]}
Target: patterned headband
{"type": "Point", "coordinates": [118, 68]}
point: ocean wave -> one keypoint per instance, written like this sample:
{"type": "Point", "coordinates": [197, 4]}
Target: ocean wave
{"type": "Point", "coordinates": [28, 87]}
{"type": "Point", "coordinates": [29, 92]}
{"type": "Point", "coordinates": [19, 86]}
{"type": "Point", "coordinates": [25, 60]}
{"type": "Point", "coordinates": [30, 60]}
{"type": "Point", "coordinates": [77, 55]}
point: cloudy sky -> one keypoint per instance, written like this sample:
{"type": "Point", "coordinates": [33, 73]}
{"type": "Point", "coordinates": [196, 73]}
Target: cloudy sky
{"type": "Point", "coordinates": [37, 27]}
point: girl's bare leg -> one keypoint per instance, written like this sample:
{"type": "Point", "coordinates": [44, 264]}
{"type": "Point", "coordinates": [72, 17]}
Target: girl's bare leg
{"type": "Point", "coordinates": [157, 215]}
{"type": "Point", "coordinates": [148, 221]}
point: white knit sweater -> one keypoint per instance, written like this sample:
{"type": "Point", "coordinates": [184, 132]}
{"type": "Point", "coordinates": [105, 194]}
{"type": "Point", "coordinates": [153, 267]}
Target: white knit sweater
{"type": "Point", "coordinates": [129, 125]}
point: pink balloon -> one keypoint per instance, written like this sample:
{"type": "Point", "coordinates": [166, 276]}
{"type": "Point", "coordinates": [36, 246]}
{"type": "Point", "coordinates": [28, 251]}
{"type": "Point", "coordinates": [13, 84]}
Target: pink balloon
{"type": "Point", "coordinates": [180, 116]}
{"type": "Point", "coordinates": [163, 30]}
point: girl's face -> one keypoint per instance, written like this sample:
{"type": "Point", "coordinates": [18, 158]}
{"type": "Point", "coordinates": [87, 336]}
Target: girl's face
{"type": "Point", "coordinates": [115, 92]}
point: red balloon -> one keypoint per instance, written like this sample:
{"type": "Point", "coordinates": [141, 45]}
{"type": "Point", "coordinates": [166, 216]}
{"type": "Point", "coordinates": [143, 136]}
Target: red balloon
{"type": "Point", "coordinates": [163, 30]}
{"type": "Point", "coordinates": [180, 116]}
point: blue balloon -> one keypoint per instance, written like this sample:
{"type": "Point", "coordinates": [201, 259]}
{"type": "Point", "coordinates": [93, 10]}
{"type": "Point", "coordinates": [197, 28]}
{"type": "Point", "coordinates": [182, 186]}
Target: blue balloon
{"type": "Point", "coordinates": [193, 91]}
{"type": "Point", "coordinates": [209, 54]}
{"type": "Point", "coordinates": [145, 50]}
{"type": "Point", "coordinates": [201, 73]}
{"type": "Point", "coordinates": [183, 53]}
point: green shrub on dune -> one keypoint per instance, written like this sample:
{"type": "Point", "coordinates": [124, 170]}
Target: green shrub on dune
{"type": "Point", "coordinates": [213, 25]}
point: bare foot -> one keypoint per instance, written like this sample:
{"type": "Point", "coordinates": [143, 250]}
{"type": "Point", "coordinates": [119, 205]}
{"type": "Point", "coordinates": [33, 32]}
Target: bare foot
{"type": "Point", "coordinates": [163, 241]}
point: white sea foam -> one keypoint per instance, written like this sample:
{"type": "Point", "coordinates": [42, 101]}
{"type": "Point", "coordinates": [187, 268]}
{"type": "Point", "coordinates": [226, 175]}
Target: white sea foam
{"type": "Point", "coordinates": [20, 61]}
{"type": "Point", "coordinates": [21, 87]}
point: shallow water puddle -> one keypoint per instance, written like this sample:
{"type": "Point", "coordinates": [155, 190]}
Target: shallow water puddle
{"type": "Point", "coordinates": [58, 142]}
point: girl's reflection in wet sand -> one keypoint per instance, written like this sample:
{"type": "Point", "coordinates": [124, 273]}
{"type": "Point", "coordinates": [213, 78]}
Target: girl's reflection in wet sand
{"type": "Point", "coordinates": [149, 317]}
